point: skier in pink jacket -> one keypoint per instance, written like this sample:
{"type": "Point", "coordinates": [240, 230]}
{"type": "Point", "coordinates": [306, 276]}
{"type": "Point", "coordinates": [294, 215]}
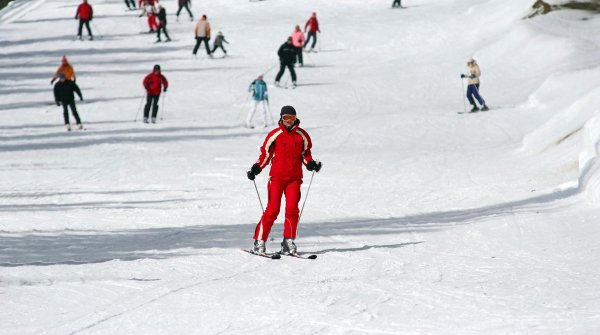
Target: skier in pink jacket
{"type": "Point", "coordinates": [298, 42]}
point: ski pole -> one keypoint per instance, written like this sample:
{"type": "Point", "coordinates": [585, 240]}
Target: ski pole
{"type": "Point", "coordinates": [162, 105]}
{"type": "Point", "coordinates": [269, 112]}
{"type": "Point", "coordinates": [139, 107]}
{"type": "Point", "coordinates": [304, 203]}
{"type": "Point", "coordinates": [244, 105]}
{"type": "Point", "coordinates": [462, 94]}
{"type": "Point", "coordinates": [319, 40]}
{"type": "Point", "coordinates": [258, 194]}
{"type": "Point", "coordinates": [96, 29]}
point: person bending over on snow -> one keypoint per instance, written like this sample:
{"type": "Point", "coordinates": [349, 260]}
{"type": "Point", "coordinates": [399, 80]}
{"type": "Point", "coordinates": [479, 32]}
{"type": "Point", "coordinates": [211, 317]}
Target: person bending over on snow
{"type": "Point", "coordinates": [472, 76]}
{"type": "Point", "coordinates": [219, 43]}
{"type": "Point", "coordinates": [287, 58]}
{"type": "Point", "coordinates": [154, 82]}
{"type": "Point", "coordinates": [149, 10]}
{"type": "Point", "coordinates": [287, 148]}
{"type": "Point", "coordinates": [312, 25]}
{"type": "Point", "coordinates": [260, 96]}
{"type": "Point", "coordinates": [64, 94]}
{"type": "Point", "coordinates": [85, 14]}
{"type": "Point", "coordinates": [202, 33]}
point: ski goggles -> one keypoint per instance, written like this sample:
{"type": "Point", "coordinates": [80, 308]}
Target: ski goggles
{"type": "Point", "coordinates": [288, 118]}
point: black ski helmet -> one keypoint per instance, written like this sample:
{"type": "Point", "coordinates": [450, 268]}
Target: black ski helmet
{"type": "Point", "coordinates": [287, 110]}
{"type": "Point", "coordinates": [156, 67]}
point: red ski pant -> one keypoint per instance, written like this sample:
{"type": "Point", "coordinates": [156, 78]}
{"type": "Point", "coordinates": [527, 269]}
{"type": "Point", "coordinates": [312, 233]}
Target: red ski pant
{"type": "Point", "coordinates": [152, 22]}
{"type": "Point", "coordinates": [276, 188]}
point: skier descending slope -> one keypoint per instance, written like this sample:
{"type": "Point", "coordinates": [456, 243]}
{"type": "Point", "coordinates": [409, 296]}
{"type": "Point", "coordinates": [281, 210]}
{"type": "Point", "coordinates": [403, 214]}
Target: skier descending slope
{"type": "Point", "coordinates": [153, 83]}
{"type": "Point", "coordinates": [85, 14]}
{"type": "Point", "coordinates": [312, 25]}
{"type": "Point", "coordinates": [287, 58]}
{"type": "Point", "coordinates": [260, 96]}
{"type": "Point", "coordinates": [64, 94]}
{"type": "Point", "coordinates": [287, 148]}
{"type": "Point", "coordinates": [472, 75]}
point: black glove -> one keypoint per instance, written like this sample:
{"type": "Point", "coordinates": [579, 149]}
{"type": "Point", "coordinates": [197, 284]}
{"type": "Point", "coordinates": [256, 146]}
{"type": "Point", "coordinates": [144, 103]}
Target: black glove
{"type": "Point", "coordinates": [81, 98]}
{"type": "Point", "coordinates": [462, 76]}
{"type": "Point", "coordinates": [312, 165]}
{"type": "Point", "coordinates": [58, 103]}
{"type": "Point", "coordinates": [254, 170]}
{"type": "Point", "coordinates": [165, 89]}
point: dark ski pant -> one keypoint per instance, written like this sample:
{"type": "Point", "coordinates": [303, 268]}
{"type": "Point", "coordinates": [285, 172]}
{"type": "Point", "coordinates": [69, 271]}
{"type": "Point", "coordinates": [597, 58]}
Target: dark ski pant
{"type": "Point", "coordinates": [87, 26]}
{"type": "Point", "coordinates": [299, 55]}
{"type": "Point", "coordinates": [130, 4]}
{"type": "Point", "coordinates": [65, 105]}
{"type": "Point", "coordinates": [314, 37]}
{"type": "Point", "coordinates": [282, 67]}
{"type": "Point", "coordinates": [199, 41]}
{"type": "Point", "coordinates": [215, 48]}
{"type": "Point", "coordinates": [397, 3]}
{"type": "Point", "coordinates": [186, 8]}
{"type": "Point", "coordinates": [162, 27]}
{"type": "Point", "coordinates": [151, 100]}
{"type": "Point", "coordinates": [473, 92]}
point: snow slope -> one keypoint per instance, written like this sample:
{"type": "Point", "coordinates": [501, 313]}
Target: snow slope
{"type": "Point", "coordinates": [425, 221]}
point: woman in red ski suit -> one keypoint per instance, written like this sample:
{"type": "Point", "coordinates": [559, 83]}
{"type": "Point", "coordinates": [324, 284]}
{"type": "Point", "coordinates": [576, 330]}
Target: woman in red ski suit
{"type": "Point", "coordinates": [287, 148]}
{"type": "Point", "coordinates": [153, 83]}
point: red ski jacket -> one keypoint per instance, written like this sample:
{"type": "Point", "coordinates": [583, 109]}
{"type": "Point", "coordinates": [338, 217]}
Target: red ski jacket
{"type": "Point", "coordinates": [287, 150]}
{"type": "Point", "coordinates": [84, 12]}
{"type": "Point", "coordinates": [154, 82]}
{"type": "Point", "coordinates": [312, 25]}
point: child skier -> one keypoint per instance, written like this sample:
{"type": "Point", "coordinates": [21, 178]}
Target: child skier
{"type": "Point", "coordinates": [260, 96]}
{"type": "Point", "coordinates": [219, 43]}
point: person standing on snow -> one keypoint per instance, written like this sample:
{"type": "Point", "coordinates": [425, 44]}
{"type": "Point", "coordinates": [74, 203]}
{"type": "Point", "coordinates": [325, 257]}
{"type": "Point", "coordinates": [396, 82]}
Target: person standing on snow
{"type": "Point", "coordinates": [202, 33]}
{"type": "Point", "coordinates": [150, 11]}
{"type": "Point", "coordinates": [219, 43]}
{"type": "Point", "coordinates": [260, 96]}
{"type": "Point", "coordinates": [85, 14]}
{"type": "Point", "coordinates": [64, 94]}
{"type": "Point", "coordinates": [162, 23]}
{"type": "Point", "coordinates": [397, 3]}
{"type": "Point", "coordinates": [287, 148]}
{"type": "Point", "coordinates": [287, 58]}
{"type": "Point", "coordinates": [185, 4]}
{"type": "Point", "coordinates": [298, 42]}
{"type": "Point", "coordinates": [312, 25]}
{"type": "Point", "coordinates": [154, 82]}
{"type": "Point", "coordinates": [473, 74]}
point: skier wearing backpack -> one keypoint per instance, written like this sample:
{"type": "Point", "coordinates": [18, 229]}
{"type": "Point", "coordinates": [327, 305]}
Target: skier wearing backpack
{"type": "Point", "coordinates": [312, 25]}
{"type": "Point", "coordinates": [64, 95]}
{"type": "Point", "coordinates": [287, 58]}
{"type": "Point", "coordinates": [85, 14]}
{"type": "Point", "coordinates": [260, 96]}
{"type": "Point", "coordinates": [287, 148]}
{"type": "Point", "coordinates": [154, 82]}
{"type": "Point", "coordinates": [472, 75]}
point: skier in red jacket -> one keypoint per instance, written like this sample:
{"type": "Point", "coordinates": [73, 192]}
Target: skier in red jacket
{"type": "Point", "coordinates": [287, 148]}
{"type": "Point", "coordinates": [85, 14]}
{"type": "Point", "coordinates": [154, 83]}
{"type": "Point", "coordinates": [312, 26]}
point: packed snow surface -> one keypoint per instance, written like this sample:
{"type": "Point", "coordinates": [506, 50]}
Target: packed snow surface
{"type": "Point", "coordinates": [424, 220]}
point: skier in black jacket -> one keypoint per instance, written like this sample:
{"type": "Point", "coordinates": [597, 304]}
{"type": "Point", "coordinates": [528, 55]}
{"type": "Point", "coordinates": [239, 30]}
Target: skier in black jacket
{"type": "Point", "coordinates": [287, 58]}
{"type": "Point", "coordinates": [162, 23]}
{"type": "Point", "coordinates": [63, 94]}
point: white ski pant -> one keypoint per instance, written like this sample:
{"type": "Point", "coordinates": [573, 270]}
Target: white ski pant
{"type": "Point", "coordinates": [265, 109]}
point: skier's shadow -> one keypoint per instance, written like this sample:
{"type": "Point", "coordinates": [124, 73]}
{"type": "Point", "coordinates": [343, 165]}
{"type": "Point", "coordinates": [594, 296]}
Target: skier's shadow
{"type": "Point", "coordinates": [365, 247]}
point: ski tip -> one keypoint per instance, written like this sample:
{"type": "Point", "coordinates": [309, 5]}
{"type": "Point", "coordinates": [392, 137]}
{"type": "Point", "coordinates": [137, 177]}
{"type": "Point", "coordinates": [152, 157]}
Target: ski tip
{"type": "Point", "coordinates": [276, 256]}
{"type": "Point", "coordinates": [312, 257]}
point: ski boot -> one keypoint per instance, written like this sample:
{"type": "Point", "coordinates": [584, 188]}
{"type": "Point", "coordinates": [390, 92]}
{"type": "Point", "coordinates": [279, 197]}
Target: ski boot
{"type": "Point", "coordinates": [294, 85]}
{"type": "Point", "coordinates": [145, 120]}
{"type": "Point", "coordinates": [288, 247]}
{"type": "Point", "coordinates": [485, 108]}
{"type": "Point", "coordinates": [80, 126]}
{"type": "Point", "coordinates": [68, 126]}
{"type": "Point", "coordinates": [474, 109]}
{"type": "Point", "coordinates": [259, 247]}
{"type": "Point", "coordinates": [153, 120]}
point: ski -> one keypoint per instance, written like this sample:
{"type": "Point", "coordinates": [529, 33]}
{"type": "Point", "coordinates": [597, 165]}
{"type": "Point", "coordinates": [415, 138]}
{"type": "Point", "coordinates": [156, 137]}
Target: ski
{"type": "Point", "coordinates": [300, 256]}
{"type": "Point", "coordinates": [267, 255]}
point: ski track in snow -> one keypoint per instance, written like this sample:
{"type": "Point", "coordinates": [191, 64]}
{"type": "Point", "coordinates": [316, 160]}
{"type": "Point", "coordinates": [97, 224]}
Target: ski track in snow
{"type": "Point", "coordinates": [425, 221]}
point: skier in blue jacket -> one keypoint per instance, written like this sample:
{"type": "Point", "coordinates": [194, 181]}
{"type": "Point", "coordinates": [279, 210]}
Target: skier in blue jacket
{"type": "Point", "coordinates": [260, 96]}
